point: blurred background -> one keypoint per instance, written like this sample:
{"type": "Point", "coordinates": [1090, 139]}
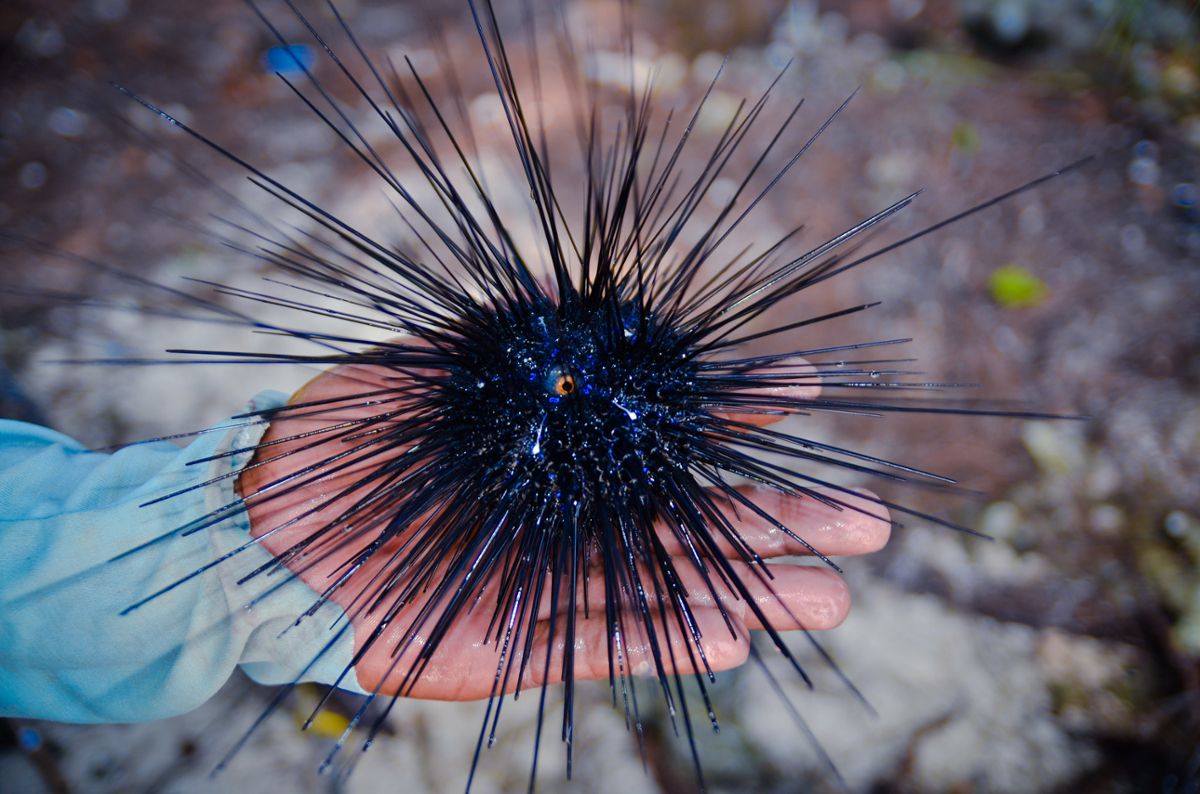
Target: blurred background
{"type": "Point", "coordinates": [1064, 656]}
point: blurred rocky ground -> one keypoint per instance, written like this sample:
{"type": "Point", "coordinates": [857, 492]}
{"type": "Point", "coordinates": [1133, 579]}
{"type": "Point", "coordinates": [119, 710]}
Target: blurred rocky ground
{"type": "Point", "coordinates": [1062, 656]}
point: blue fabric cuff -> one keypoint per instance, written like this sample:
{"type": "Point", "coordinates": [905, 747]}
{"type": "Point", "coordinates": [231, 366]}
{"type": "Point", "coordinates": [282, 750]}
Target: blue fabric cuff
{"type": "Point", "coordinates": [86, 535]}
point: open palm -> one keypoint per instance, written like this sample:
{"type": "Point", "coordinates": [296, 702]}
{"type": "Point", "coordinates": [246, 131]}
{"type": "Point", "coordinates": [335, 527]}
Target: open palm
{"type": "Point", "coordinates": [464, 665]}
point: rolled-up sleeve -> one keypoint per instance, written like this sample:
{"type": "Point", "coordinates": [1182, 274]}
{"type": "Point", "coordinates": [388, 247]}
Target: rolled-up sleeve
{"type": "Point", "coordinates": [86, 535]}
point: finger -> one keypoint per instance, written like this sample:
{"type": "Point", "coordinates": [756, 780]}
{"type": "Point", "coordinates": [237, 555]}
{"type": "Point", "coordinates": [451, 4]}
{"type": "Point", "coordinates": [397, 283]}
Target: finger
{"type": "Point", "coordinates": [355, 386]}
{"type": "Point", "coordinates": [787, 597]}
{"type": "Point", "coordinates": [719, 648]}
{"type": "Point", "coordinates": [464, 666]}
{"type": "Point", "coordinates": [784, 597]}
{"type": "Point", "coordinates": [805, 389]}
{"type": "Point", "coordinates": [854, 524]}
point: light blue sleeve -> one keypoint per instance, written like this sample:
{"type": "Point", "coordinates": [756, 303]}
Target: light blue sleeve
{"type": "Point", "coordinates": [66, 650]}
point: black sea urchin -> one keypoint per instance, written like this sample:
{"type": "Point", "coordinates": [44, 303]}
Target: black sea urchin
{"type": "Point", "coordinates": [557, 434]}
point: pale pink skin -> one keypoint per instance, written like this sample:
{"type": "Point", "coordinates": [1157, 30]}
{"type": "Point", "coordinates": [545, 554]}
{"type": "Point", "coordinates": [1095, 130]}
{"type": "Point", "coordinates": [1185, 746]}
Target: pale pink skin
{"type": "Point", "coordinates": [464, 667]}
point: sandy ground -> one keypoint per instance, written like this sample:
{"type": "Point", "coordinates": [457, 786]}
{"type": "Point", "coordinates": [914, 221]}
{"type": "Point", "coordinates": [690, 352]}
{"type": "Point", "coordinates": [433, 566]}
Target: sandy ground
{"type": "Point", "coordinates": [1062, 657]}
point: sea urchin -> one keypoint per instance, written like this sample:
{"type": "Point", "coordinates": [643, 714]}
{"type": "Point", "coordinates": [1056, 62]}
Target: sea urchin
{"type": "Point", "coordinates": [549, 444]}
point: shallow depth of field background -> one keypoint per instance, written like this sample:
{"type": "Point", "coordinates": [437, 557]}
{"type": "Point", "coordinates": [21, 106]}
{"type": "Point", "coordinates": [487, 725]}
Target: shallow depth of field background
{"type": "Point", "coordinates": [1064, 656]}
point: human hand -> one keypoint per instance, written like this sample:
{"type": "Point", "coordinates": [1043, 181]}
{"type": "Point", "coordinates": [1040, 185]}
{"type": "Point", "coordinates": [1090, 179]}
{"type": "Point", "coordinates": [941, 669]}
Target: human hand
{"type": "Point", "coordinates": [464, 665]}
